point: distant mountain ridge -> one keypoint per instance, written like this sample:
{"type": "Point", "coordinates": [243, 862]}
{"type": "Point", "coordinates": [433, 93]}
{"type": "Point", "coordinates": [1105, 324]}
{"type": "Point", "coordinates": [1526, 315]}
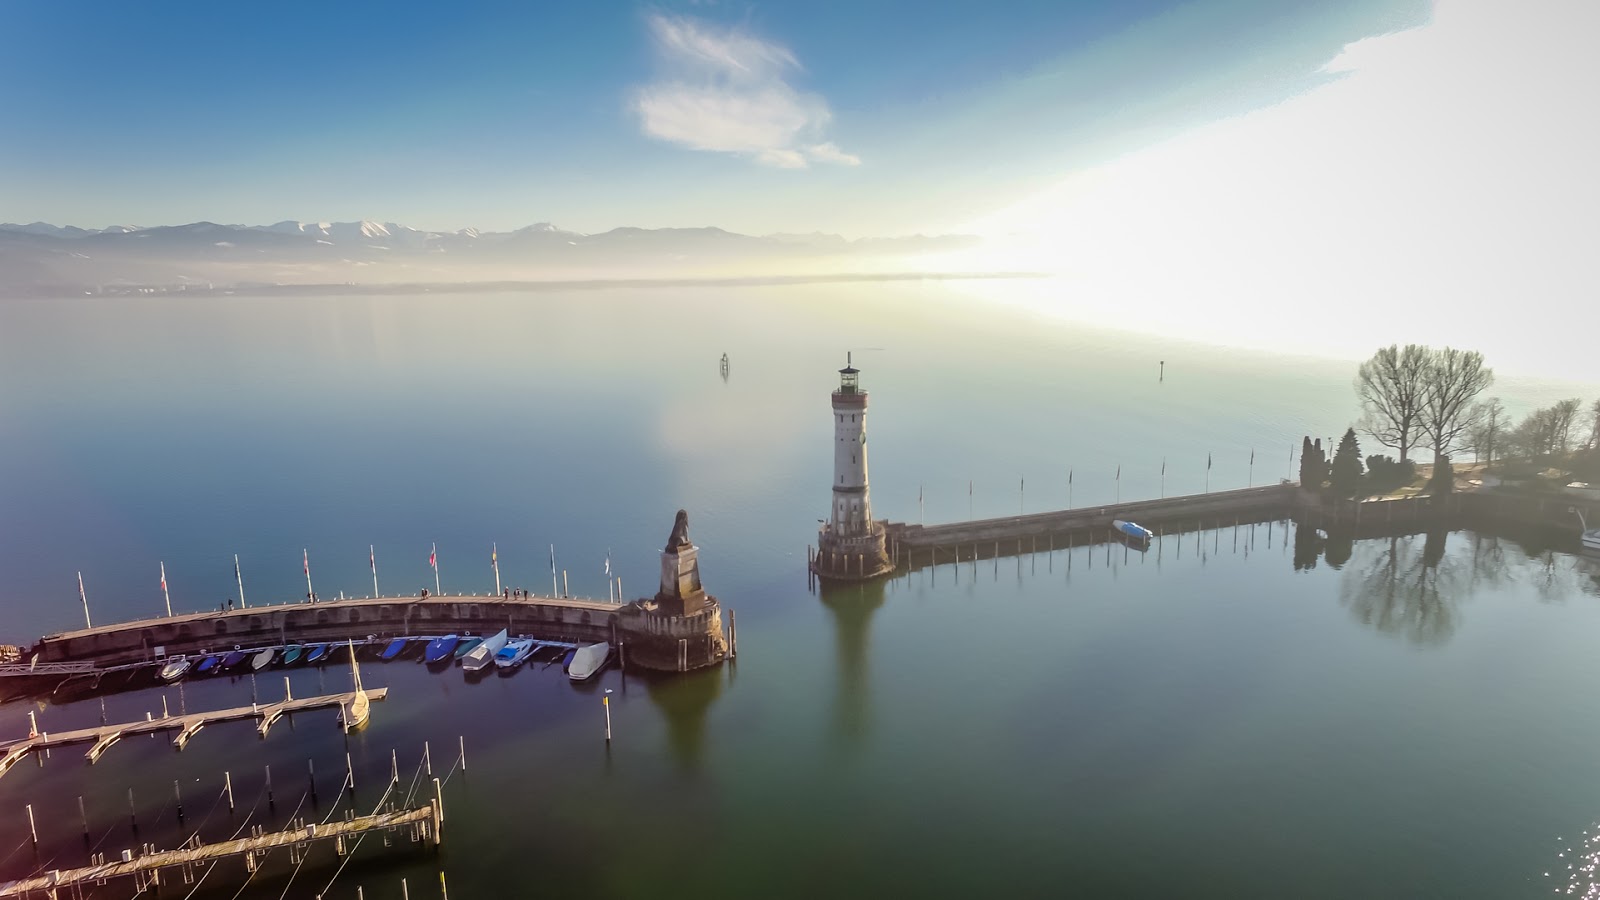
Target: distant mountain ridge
{"type": "Point", "coordinates": [42, 257]}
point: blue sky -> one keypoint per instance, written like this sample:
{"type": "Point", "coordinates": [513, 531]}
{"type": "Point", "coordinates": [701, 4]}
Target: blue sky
{"type": "Point", "coordinates": [862, 118]}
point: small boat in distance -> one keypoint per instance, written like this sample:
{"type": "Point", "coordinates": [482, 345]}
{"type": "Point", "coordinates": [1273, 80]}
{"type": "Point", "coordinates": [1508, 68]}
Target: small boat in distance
{"type": "Point", "coordinates": [439, 649]}
{"type": "Point", "coordinates": [513, 654]}
{"type": "Point", "coordinates": [1132, 530]}
{"type": "Point", "coordinates": [395, 648]}
{"type": "Point", "coordinates": [483, 655]}
{"type": "Point", "coordinates": [588, 660]}
{"type": "Point", "coordinates": [316, 654]}
{"type": "Point", "coordinates": [466, 646]}
{"type": "Point", "coordinates": [207, 665]}
{"type": "Point", "coordinates": [355, 714]}
{"type": "Point", "coordinates": [291, 655]}
{"type": "Point", "coordinates": [262, 660]}
{"type": "Point", "coordinates": [175, 668]}
{"type": "Point", "coordinates": [234, 658]}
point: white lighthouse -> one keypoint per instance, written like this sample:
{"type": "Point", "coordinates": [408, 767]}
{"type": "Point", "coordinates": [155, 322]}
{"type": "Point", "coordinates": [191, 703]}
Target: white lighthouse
{"type": "Point", "coordinates": [851, 545]}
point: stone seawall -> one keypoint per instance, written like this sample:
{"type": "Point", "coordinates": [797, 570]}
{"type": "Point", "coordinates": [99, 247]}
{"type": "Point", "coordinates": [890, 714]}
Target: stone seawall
{"type": "Point", "coordinates": [108, 645]}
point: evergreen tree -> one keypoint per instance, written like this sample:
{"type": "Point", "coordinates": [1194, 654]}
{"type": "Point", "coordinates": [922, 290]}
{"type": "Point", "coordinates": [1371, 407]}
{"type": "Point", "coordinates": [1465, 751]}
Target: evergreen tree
{"type": "Point", "coordinates": [1346, 472]}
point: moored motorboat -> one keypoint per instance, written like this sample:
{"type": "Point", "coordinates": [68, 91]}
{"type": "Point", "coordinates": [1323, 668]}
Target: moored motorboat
{"type": "Point", "coordinates": [234, 658]}
{"type": "Point", "coordinates": [176, 668]}
{"type": "Point", "coordinates": [316, 654]}
{"type": "Point", "coordinates": [1132, 530]}
{"type": "Point", "coordinates": [1591, 536]}
{"type": "Point", "coordinates": [483, 655]}
{"type": "Point", "coordinates": [207, 665]}
{"type": "Point", "coordinates": [291, 655]}
{"type": "Point", "coordinates": [395, 648]}
{"type": "Point", "coordinates": [588, 660]}
{"type": "Point", "coordinates": [467, 645]}
{"type": "Point", "coordinates": [263, 659]}
{"type": "Point", "coordinates": [439, 649]}
{"type": "Point", "coordinates": [514, 653]}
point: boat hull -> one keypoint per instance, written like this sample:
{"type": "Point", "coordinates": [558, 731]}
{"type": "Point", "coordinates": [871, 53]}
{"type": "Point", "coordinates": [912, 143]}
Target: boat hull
{"type": "Point", "coordinates": [588, 661]}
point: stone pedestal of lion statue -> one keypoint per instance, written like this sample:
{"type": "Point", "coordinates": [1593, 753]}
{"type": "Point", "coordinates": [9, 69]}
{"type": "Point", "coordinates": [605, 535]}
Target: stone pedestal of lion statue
{"type": "Point", "coordinates": [680, 628]}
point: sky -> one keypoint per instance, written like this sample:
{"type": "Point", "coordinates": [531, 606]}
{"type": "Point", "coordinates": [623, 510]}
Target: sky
{"type": "Point", "coordinates": [865, 119]}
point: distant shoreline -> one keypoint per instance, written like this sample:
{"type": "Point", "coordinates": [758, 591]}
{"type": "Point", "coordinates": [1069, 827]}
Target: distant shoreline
{"type": "Point", "coordinates": [460, 287]}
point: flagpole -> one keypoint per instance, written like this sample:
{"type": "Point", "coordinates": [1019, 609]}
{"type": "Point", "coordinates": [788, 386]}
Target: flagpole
{"type": "Point", "coordinates": [85, 598]}
{"type": "Point", "coordinates": [1069, 489]}
{"type": "Point", "coordinates": [1163, 477]}
{"type": "Point", "coordinates": [372, 556]}
{"type": "Point", "coordinates": [611, 592]}
{"type": "Point", "coordinates": [922, 512]}
{"type": "Point", "coordinates": [305, 555]}
{"type": "Point", "coordinates": [239, 578]}
{"type": "Point", "coordinates": [969, 500]}
{"type": "Point", "coordinates": [164, 592]}
{"type": "Point", "coordinates": [494, 557]}
{"type": "Point", "coordinates": [434, 558]}
{"type": "Point", "coordinates": [1252, 481]}
{"type": "Point", "coordinates": [1119, 482]}
{"type": "Point", "coordinates": [1208, 473]}
{"type": "Point", "coordinates": [555, 588]}
{"type": "Point", "coordinates": [1021, 484]}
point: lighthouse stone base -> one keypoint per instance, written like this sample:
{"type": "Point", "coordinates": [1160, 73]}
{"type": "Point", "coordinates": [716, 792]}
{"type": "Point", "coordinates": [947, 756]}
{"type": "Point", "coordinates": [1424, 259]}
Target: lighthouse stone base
{"type": "Point", "coordinates": [857, 558]}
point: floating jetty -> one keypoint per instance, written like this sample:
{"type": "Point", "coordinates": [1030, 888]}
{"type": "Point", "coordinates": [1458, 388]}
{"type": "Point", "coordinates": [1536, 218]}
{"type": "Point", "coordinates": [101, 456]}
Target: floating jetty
{"type": "Point", "coordinates": [103, 737]}
{"type": "Point", "coordinates": [146, 868]}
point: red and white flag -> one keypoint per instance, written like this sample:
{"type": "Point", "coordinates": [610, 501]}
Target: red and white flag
{"type": "Point", "coordinates": [306, 554]}
{"type": "Point", "coordinates": [163, 576]}
{"type": "Point", "coordinates": [433, 557]}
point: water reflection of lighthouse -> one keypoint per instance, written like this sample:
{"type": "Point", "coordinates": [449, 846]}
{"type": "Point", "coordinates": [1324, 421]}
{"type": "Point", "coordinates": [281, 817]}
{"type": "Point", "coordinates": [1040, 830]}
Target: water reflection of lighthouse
{"type": "Point", "coordinates": [852, 606]}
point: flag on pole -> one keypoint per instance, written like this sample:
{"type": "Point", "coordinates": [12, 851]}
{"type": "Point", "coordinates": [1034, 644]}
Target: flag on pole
{"type": "Point", "coordinates": [372, 557]}
{"type": "Point", "coordinates": [1069, 476]}
{"type": "Point", "coordinates": [433, 557]}
{"type": "Point", "coordinates": [236, 576]}
{"type": "Point", "coordinates": [1208, 462]}
{"type": "Point", "coordinates": [163, 577]}
{"type": "Point", "coordinates": [608, 563]}
{"type": "Point", "coordinates": [1163, 465]}
{"type": "Point", "coordinates": [1119, 471]}
{"type": "Point", "coordinates": [305, 556]}
{"type": "Point", "coordinates": [494, 554]}
{"type": "Point", "coordinates": [1252, 456]}
{"type": "Point", "coordinates": [81, 595]}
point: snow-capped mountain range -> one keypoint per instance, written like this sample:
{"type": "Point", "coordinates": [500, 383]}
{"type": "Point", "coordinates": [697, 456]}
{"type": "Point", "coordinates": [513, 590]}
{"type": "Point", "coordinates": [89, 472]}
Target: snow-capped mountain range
{"type": "Point", "coordinates": [41, 257]}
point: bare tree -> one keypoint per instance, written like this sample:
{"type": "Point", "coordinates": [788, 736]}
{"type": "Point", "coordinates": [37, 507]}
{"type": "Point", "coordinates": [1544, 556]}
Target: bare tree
{"type": "Point", "coordinates": [1392, 387]}
{"type": "Point", "coordinates": [1562, 417]}
{"type": "Point", "coordinates": [1454, 378]}
{"type": "Point", "coordinates": [1488, 435]}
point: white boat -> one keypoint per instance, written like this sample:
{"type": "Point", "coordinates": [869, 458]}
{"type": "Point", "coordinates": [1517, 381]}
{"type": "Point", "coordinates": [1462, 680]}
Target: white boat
{"type": "Point", "coordinates": [514, 653]}
{"type": "Point", "coordinates": [175, 668]}
{"type": "Point", "coordinates": [355, 714]}
{"type": "Point", "coordinates": [262, 660]}
{"type": "Point", "coordinates": [1132, 530]}
{"type": "Point", "coordinates": [1591, 536]}
{"type": "Point", "coordinates": [588, 661]}
{"type": "Point", "coordinates": [483, 655]}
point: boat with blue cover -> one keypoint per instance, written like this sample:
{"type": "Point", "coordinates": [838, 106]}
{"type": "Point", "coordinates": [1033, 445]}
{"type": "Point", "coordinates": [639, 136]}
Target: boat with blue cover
{"type": "Point", "coordinates": [207, 665]}
{"type": "Point", "coordinates": [316, 654]}
{"type": "Point", "coordinates": [291, 655]}
{"type": "Point", "coordinates": [233, 659]}
{"type": "Point", "coordinates": [439, 649]}
{"type": "Point", "coordinates": [395, 648]}
{"type": "Point", "coordinates": [1132, 530]}
{"type": "Point", "coordinates": [467, 645]}
{"type": "Point", "coordinates": [514, 653]}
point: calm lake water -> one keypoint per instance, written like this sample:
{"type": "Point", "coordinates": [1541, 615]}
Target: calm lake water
{"type": "Point", "coordinates": [1212, 718]}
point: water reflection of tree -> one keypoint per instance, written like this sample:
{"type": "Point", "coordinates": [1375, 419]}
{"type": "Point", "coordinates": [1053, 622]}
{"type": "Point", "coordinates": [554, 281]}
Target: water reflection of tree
{"type": "Point", "coordinates": [1405, 585]}
{"type": "Point", "coordinates": [853, 607]}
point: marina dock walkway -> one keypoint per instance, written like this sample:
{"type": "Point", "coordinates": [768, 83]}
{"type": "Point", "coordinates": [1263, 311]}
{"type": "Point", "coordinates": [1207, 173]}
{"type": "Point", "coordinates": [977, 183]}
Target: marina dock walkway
{"type": "Point", "coordinates": [103, 737]}
{"type": "Point", "coordinates": [424, 820]}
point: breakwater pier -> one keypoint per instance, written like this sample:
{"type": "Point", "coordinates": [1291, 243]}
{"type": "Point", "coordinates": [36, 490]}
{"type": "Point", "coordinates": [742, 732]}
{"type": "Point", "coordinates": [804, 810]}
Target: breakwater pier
{"type": "Point", "coordinates": [913, 545]}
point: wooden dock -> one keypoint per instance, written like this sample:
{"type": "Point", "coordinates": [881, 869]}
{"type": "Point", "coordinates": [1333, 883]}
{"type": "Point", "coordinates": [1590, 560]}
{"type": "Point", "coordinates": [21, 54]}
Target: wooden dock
{"type": "Point", "coordinates": [424, 822]}
{"type": "Point", "coordinates": [101, 738]}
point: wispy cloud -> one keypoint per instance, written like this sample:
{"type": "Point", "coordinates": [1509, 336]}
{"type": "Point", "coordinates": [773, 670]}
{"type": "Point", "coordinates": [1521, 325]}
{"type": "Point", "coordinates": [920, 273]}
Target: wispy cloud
{"type": "Point", "coordinates": [726, 90]}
